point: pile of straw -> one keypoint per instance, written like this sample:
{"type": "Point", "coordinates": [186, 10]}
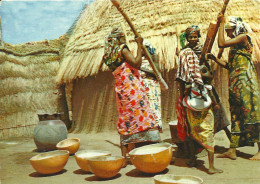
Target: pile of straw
{"type": "Point", "coordinates": [27, 85]}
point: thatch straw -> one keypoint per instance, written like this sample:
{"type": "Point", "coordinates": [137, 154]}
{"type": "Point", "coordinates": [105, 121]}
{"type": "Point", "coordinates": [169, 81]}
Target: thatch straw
{"type": "Point", "coordinates": [27, 85]}
{"type": "Point", "coordinates": [156, 20]}
{"type": "Point", "coordinates": [15, 85]}
{"type": "Point", "coordinates": [29, 72]}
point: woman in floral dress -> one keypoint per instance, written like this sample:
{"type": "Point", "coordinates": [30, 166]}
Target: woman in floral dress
{"type": "Point", "coordinates": [136, 122]}
{"type": "Point", "coordinates": [244, 95]}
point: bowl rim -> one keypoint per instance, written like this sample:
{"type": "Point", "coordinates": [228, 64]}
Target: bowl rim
{"type": "Point", "coordinates": [93, 151]}
{"type": "Point", "coordinates": [167, 146]}
{"type": "Point", "coordinates": [66, 152]}
{"type": "Point", "coordinates": [58, 144]}
{"type": "Point", "coordinates": [97, 159]}
{"type": "Point", "coordinates": [156, 177]}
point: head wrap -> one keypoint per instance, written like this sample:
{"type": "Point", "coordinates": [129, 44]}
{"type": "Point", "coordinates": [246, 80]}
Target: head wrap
{"type": "Point", "coordinates": [112, 41]}
{"type": "Point", "coordinates": [149, 47]}
{"type": "Point", "coordinates": [184, 36]}
{"type": "Point", "coordinates": [238, 25]}
{"type": "Point", "coordinates": [112, 46]}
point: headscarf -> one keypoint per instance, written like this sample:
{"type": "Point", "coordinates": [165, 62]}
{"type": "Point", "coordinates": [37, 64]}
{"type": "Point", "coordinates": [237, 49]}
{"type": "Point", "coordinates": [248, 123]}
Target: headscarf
{"type": "Point", "coordinates": [239, 26]}
{"type": "Point", "coordinates": [112, 46]}
{"type": "Point", "coordinates": [149, 47]}
{"type": "Point", "coordinates": [184, 36]}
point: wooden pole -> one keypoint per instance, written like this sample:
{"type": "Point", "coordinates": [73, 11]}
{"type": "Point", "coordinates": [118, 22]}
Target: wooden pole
{"type": "Point", "coordinates": [211, 35]}
{"type": "Point", "coordinates": [158, 75]}
{"type": "Point", "coordinates": [126, 37]}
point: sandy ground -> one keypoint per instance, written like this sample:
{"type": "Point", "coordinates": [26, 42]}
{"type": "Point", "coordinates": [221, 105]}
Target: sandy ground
{"type": "Point", "coordinates": [15, 167]}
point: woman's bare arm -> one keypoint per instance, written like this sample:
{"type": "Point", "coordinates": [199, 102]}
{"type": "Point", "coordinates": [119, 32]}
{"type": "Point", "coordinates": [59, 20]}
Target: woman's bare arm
{"type": "Point", "coordinates": [222, 43]}
{"type": "Point", "coordinates": [130, 59]}
{"type": "Point", "coordinates": [217, 60]}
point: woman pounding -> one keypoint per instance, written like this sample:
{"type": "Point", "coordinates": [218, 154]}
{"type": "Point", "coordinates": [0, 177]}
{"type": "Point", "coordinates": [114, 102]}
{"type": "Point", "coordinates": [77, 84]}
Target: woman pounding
{"type": "Point", "coordinates": [200, 123]}
{"type": "Point", "coordinates": [136, 122]}
{"type": "Point", "coordinates": [244, 95]}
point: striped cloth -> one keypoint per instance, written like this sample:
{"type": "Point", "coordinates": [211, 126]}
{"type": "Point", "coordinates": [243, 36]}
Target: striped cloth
{"type": "Point", "coordinates": [189, 68]}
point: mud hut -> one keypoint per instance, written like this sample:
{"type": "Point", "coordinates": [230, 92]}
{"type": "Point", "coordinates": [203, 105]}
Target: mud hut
{"type": "Point", "coordinates": [27, 85]}
{"type": "Point", "coordinates": [90, 83]}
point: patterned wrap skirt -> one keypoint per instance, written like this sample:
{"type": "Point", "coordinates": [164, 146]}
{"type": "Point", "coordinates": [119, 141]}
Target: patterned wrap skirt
{"type": "Point", "coordinates": [135, 114]}
{"type": "Point", "coordinates": [244, 102]}
{"type": "Point", "coordinates": [154, 97]}
{"type": "Point", "coordinates": [201, 125]}
{"type": "Point", "coordinates": [244, 99]}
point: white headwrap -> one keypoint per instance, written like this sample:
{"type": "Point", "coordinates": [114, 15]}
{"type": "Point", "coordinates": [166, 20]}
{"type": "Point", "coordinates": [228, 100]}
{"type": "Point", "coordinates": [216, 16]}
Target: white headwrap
{"type": "Point", "coordinates": [239, 26]}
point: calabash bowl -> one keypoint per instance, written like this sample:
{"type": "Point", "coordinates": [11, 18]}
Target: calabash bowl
{"type": "Point", "coordinates": [177, 179]}
{"type": "Point", "coordinates": [50, 162]}
{"type": "Point", "coordinates": [70, 144]}
{"type": "Point", "coordinates": [152, 158]}
{"type": "Point", "coordinates": [105, 166]}
{"type": "Point", "coordinates": [83, 156]}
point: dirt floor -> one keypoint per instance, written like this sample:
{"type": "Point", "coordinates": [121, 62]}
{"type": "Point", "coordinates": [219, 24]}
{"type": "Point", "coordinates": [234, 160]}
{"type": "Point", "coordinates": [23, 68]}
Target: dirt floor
{"type": "Point", "coordinates": [15, 167]}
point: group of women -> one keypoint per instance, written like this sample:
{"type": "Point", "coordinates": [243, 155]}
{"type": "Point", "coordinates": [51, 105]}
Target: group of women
{"type": "Point", "coordinates": [138, 104]}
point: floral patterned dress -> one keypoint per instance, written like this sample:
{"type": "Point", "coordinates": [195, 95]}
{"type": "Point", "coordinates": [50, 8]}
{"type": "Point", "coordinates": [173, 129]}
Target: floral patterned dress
{"type": "Point", "coordinates": [136, 118]}
{"type": "Point", "coordinates": [244, 97]}
{"type": "Point", "coordinates": [153, 91]}
{"type": "Point", "coordinates": [135, 114]}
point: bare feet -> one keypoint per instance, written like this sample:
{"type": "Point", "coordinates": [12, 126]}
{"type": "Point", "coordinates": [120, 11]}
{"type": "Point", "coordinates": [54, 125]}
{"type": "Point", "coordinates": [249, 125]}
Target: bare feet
{"type": "Point", "coordinates": [214, 170]}
{"type": "Point", "coordinates": [255, 157]}
{"type": "Point", "coordinates": [231, 153]}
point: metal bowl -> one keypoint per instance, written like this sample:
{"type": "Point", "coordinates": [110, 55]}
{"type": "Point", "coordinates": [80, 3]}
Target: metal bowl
{"type": "Point", "coordinates": [50, 162]}
{"type": "Point", "coordinates": [105, 166]}
{"type": "Point", "coordinates": [152, 158]}
{"type": "Point", "coordinates": [177, 179]}
{"type": "Point", "coordinates": [70, 144]}
{"type": "Point", "coordinates": [83, 156]}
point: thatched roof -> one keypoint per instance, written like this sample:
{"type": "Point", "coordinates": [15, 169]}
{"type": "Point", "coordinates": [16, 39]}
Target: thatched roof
{"type": "Point", "coordinates": [73, 26]}
{"type": "Point", "coordinates": [158, 20]}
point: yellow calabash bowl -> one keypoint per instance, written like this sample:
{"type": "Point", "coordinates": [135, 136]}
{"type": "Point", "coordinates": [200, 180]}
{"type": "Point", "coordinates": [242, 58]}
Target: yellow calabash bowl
{"type": "Point", "coordinates": [70, 144]}
{"type": "Point", "coordinates": [83, 156]}
{"type": "Point", "coordinates": [50, 162]}
{"type": "Point", "coordinates": [152, 158]}
{"type": "Point", "coordinates": [177, 179]}
{"type": "Point", "coordinates": [106, 166]}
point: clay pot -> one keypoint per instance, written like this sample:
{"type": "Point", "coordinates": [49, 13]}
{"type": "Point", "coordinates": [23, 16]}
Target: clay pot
{"type": "Point", "coordinates": [71, 144]}
{"type": "Point", "coordinates": [49, 131]}
{"type": "Point", "coordinates": [83, 156]}
{"type": "Point", "coordinates": [50, 162]}
{"type": "Point", "coordinates": [177, 179]}
{"type": "Point", "coordinates": [105, 166]}
{"type": "Point", "coordinates": [152, 158]}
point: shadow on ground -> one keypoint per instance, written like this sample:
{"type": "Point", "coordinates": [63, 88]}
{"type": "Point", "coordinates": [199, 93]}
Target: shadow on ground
{"type": "Point", "coordinates": [38, 175]}
{"type": "Point", "coordinates": [81, 172]}
{"type": "Point", "coordinates": [139, 174]}
{"type": "Point", "coordinates": [94, 178]}
{"type": "Point", "coordinates": [221, 149]}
